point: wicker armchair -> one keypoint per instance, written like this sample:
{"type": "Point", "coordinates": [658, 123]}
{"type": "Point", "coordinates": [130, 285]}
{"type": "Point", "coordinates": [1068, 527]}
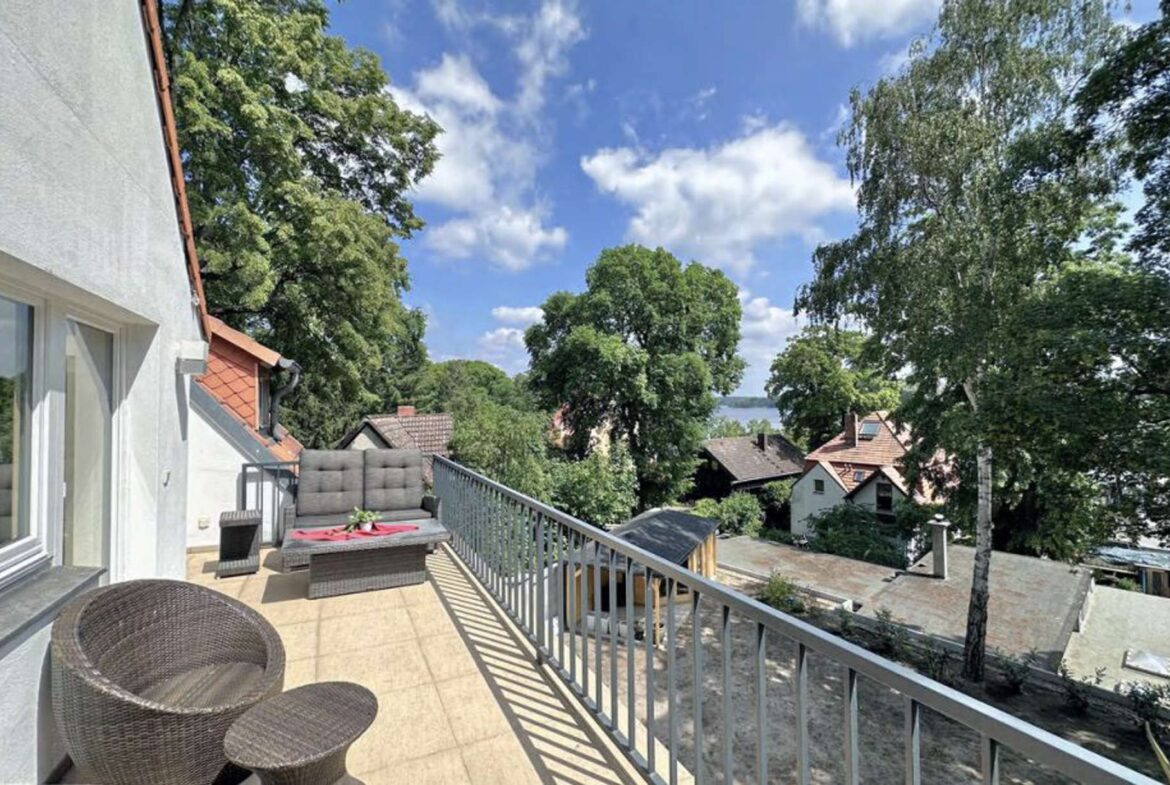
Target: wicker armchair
{"type": "Point", "coordinates": [147, 677]}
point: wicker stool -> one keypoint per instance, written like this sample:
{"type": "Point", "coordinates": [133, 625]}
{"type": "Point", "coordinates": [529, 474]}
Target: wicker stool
{"type": "Point", "coordinates": [239, 543]}
{"type": "Point", "coordinates": [301, 737]}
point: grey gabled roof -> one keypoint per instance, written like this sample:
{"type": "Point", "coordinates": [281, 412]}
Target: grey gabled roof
{"type": "Point", "coordinates": [669, 534]}
{"type": "Point", "coordinates": [743, 459]}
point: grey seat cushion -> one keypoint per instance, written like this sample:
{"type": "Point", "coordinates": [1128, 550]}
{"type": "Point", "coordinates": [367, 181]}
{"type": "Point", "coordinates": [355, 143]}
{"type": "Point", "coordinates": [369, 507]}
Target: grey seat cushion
{"type": "Point", "coordinates": [394, 480]}
{"type": "Point", "coordinates": [330, 482]}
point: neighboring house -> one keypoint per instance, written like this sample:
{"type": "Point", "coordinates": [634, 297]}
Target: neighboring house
{"type": "Point", "coordinates": [100, 332]}
{"type": "Point", "coordinates": [236, 408]}
{"type": "Point", "coordinates": [430, 433]}
{"type": "Point", "coordinates": [745, 463]}
{"type": "Point", "coordinates": [1148, 567]}
{"type": "Point", "coordinates": [861, 465]}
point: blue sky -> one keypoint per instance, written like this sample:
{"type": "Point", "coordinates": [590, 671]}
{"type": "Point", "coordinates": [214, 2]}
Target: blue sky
{"type": "Point", "coordinates": [706, 128]}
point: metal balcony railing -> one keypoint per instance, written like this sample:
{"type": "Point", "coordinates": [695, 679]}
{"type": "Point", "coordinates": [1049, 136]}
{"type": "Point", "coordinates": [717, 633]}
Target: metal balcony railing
{"type": "Point", "coordinates": [538, 563]}
{"type": "Point", "coordinates": [268, 486]}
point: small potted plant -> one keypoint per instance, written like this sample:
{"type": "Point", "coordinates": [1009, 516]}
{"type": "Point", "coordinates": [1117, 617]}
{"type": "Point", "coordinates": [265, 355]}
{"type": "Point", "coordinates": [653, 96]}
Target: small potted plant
{"type": "Point", "coordinates": [361, 519]}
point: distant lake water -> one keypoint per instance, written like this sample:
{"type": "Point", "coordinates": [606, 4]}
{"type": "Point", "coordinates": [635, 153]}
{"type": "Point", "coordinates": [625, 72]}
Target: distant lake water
{"type": "Point", "coordinates": [743, 415]}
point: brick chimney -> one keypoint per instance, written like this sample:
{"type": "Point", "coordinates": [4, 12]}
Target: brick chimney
{"type": "Point", "coordinates": [762, 441]}
{"type": "Point", "coordinates": [850, 428]}
{"type": "Point", "coordinates": [405, 411]}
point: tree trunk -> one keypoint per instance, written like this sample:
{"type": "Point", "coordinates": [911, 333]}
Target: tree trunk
{"type": "Point", "coordinates": [975, 645]}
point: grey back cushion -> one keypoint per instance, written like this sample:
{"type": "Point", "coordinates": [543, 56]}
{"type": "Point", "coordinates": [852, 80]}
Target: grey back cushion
{"type": "Point", "coordinates": [330, 482]}
{"type": "Point", "coordinates": [393, 479]}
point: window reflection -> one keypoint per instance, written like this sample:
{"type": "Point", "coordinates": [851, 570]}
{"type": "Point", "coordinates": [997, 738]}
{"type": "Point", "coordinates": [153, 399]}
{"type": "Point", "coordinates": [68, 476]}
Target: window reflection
{"type": "Point", "coordinates": [15, 415]}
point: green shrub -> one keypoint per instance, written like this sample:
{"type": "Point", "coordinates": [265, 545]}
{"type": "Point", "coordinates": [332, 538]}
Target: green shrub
{"type": "Point", "coordinates": [599, 489]}
{"type": "Point", "coordinates": [892, 637]}
{"type": "Point", "coordinates": [1076, 690]}
{"type": "Point", "coordinates": [1145, 700]}
{"type": "Point", "coordinates": [783, 595]}
{"type": "Point", "coordinates": [936, 662]}
{"type": "Point", "coordinates": [706, 508]}
{"type": "Point", "coordinates": [739, 513]}
{"type": "Point", "coordinates": [776, 497]}
{"type": "Point", "coordinates": [845, 626]}
{"type": "Point", "coordinates": [1128, 584]}
{"type": "Point", "coordinates": [857, 533]}
{"type": "Point", "coordinates": [1016, 669]}
{"type": "Point", "coordinates": [778, 535]}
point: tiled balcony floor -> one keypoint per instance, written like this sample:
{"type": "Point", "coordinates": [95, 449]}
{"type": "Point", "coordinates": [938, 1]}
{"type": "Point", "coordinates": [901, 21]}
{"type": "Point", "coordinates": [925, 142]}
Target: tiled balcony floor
{"type": "Point", "coordinates": [460, 697]}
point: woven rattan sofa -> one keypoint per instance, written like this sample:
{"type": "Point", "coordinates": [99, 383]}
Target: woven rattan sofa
{"type": "Point", "coordinates": [331, 483]}
{"type": "Point", "coordinates": [147, 677]}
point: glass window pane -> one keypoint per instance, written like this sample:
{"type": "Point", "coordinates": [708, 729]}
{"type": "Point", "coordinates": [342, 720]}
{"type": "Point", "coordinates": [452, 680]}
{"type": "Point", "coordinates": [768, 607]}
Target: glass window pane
{"type": "Point", "coordinates": [89, 373]}
{"type": "Point", "coordinates": [16, 335]}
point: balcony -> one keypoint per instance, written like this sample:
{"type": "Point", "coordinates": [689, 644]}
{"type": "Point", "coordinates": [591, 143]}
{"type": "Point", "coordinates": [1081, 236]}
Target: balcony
{"type": "Point", "coordinates": [544, 650]}
{"type": "Point", "coordinates": [461, 698]}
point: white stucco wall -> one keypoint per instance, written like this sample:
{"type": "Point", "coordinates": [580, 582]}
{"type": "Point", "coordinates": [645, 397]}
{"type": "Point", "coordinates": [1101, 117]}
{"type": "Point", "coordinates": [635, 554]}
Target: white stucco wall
{"type": "Point", "coordinates": [215, 478]}
{"type": "Point", "coordinates": [366, 439]}
{"type": "Point", "coordinates": [88, 227]}
{"type": "Point", "coordinates": [213, 481]}
{"type": "Point", "coordinates": [806, 503]}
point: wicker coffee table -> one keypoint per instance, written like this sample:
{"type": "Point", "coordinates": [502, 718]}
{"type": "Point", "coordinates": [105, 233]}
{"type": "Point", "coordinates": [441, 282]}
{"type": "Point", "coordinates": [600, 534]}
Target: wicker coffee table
{"type": "Point", "coordinates": [301, 737]}
{"type": "Point", "coordinates": [366, 563]}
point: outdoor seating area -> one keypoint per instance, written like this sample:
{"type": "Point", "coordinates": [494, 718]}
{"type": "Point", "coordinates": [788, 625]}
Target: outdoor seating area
{"type": "Point", "coordinates": [460, 698]}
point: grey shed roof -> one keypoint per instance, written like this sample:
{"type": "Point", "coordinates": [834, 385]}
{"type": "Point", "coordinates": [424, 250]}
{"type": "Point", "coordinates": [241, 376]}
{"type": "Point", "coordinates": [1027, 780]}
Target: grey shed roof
{"type": "Point", "coordinates": [669, 534]}
{"type": "Point", "coordinates": [1139, 557]}
{"type": "Point", "coordinates": [746, 462]}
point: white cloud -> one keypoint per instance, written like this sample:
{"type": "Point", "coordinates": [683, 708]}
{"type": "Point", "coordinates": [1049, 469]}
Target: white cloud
{"type": "Point", "coordinates": [720, 203]}
{"type": "Point", "coordinates": [764, 329]}
{"type": "Point", "coordinates": [699, 100]}
{"type": "Point", "coordinates": [456, 82]}
{"type": "Point", "coordinates": [892, 62]}
{"type": "Point", "coordinates": [504, 346]}
{"type": "Point", "coordinates": [490, 148]}
{"type": "Point", "coordinates": [543, 51]}
{"type": "Point", "coordinates": [512, 238]}
{"type": "Point", "coordinates": [522, 315]}
{"type": "Point", "coordinates": [851, 21]}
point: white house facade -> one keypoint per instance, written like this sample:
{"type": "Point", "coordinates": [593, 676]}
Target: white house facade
{"type": "Point", "coordinates": [817, 490]}
{"type": "Point", "coordinates": [99, 331]}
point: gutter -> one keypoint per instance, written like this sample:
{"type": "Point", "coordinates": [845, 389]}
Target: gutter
{"type": "Point", "coordinates": [162, 89]}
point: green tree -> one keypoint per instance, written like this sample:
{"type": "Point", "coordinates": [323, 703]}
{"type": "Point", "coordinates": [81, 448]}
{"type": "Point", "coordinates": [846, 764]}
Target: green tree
{"type": "Point", "coordinates": [1085, 392]}
{"type": "Point", "coordinates": [600, 489]}
{"type": "Point", "coordinates": [437, 387]}
{"type": "Point", "coordinates": [642, 351]}
{"type": "Point", "coordinates": [1128, 96]}
{"type": "Point", "coordinates": [298, 166]}
{"type": "Point", "coordinates": [962, 207]}
{"type": "Point", "coordinates": [507, 445]}
{"type": "Point", "coordinates": [823, 373]}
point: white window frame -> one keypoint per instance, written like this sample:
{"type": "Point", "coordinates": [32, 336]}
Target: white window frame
{"type": "Point", "coordinates": [118, 456]}
{"type": "Point", "coordinates": [31, 552]}
{"type": "Point", "coordinates": [43, 544]}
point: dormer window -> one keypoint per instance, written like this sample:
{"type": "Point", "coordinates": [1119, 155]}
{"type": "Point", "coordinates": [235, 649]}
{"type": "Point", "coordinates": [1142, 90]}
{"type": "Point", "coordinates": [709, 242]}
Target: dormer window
{"type": "Point", "coordinates": [858, 475]}
{"type": "Point", "coordinates": [868, 430]}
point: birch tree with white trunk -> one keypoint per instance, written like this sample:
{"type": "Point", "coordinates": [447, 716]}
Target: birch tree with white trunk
{"type": "Point", "coordinates": [965, 201]}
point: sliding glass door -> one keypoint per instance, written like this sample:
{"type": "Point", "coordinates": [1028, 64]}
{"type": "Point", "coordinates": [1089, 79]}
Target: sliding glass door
{"type": "Point", "coordinates": [89, 397]}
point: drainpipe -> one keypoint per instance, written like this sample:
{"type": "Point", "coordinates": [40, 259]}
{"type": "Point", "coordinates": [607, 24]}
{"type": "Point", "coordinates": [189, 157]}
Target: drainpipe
{"type": "Point", "coordinates": [294, 368]}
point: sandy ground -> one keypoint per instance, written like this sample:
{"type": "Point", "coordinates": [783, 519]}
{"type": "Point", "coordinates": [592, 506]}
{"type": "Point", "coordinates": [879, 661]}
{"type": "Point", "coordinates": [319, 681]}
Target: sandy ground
{"type": "Point", "coordinates": [950, 752]}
